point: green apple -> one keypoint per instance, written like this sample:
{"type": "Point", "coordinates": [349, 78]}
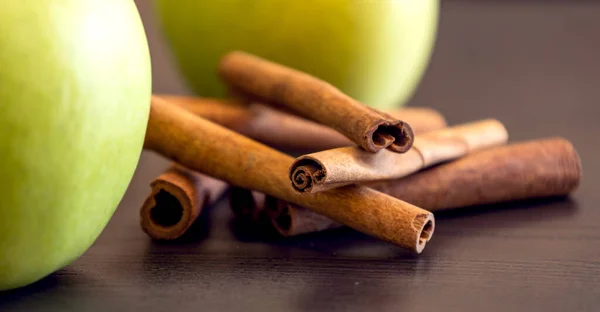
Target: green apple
{"type": "Point", "coordinates": [75, 86]}
{"type": "Point", "coordinates": [374, 50]}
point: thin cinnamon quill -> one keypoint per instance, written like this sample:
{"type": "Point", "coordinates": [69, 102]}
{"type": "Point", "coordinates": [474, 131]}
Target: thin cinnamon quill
{"type": "Point", "coordinates": [214, 150]}
{"type": "Point", "coordinates": [177, 198]}
{"type": "Point", "coordinates": [531, 169]}
{"type": "Point", "coordinates": [333, 168]}
{"type": "Point", "coordinates": [315, 99]}
{"type": "Point", "coordinates": [285, 131]}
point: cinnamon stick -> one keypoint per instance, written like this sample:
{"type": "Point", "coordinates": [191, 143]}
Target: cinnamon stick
{"type": "Point", "coordinates": [540, 168]}
{"type": "Point", "coordinates": [289, 132]}
{"type": "Point", "coordinates": [226, 155]}
{"type": "Point", "coordinates": [177, 198]}
{"type": "Point", "coordinates": [315, 99]}
{"type": "Point", "coordinates": [333, 168]}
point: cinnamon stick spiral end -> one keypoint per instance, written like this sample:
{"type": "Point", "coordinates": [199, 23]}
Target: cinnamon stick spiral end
{"type": "Point", "coordinates": [307, 175]}
{"type": "Point", "coordinates": [425, 224]}
{"type": "Point", "coordinates": [396, 136]}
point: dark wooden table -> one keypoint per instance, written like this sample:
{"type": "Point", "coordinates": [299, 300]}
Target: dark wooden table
{"type": "Point", "coordinates": [533, 65]}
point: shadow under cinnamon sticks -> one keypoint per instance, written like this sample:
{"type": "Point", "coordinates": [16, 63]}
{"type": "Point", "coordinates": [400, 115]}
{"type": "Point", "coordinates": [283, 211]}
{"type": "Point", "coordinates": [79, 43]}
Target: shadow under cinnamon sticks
{"type": "Point", "coordinates": [498, 177]}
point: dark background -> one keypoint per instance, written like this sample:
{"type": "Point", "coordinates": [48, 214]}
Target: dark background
{"type": "Point", "coordinates": [534, 65]}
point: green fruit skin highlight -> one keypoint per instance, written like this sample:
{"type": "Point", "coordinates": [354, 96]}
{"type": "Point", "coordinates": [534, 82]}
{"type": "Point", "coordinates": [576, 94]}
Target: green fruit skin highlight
{"type": "Point", "coordinates": [374, 50]}
{"type": "Point", "coordinates": [75, 86]}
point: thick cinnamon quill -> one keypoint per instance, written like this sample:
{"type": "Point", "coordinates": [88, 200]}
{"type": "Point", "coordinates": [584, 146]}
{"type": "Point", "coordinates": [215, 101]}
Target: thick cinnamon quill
{"type": "Point", "coordinates": [348, 165]}
{"type": "Point", "coordinates": [315, 99]}
{"type": "Point", "coordinates": [226, 155]}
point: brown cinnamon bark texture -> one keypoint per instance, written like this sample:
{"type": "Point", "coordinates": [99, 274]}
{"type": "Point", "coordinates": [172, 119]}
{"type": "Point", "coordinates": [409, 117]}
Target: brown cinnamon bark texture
{"type": "Point", "coordinates": [177, 198]}
{"type": "Point", "coordinates": [285, 131]}
{"type": "Point", "coordinates": [315, 99]}
{"type": "Point", "coordinates": [531, 169]}
{"type": "Point", "coordinates": [226, 155]}
{"type": "Point", "coordinates": [347, 165]}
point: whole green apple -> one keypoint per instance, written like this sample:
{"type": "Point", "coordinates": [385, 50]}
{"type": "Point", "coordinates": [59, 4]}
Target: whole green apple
{"type": "Point", "coordinates": [75, 87]}
{"type": "Point", "coordinates": [374, 50]}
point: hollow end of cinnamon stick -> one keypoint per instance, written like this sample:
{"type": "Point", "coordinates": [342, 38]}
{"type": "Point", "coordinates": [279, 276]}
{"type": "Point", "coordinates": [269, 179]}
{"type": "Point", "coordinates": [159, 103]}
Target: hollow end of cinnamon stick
{"type": "Point", "coordinates": [426, 224]}
{"type": "Point", "coordinates": [396, 136]}
{"type": "Point", "coordinates": [169, 211]}
{"type": "Point", "coordinates": [307, 174]}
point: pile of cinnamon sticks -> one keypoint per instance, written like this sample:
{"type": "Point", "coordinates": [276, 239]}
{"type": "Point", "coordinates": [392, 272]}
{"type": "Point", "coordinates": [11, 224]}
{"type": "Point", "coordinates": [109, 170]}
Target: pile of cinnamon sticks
{"type": "Point", "coordinates": [381, 173]}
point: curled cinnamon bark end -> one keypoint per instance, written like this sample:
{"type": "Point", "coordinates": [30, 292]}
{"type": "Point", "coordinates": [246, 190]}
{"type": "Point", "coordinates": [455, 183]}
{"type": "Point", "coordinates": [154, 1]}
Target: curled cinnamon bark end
{"type": "Point", "coordinates": [307, 174]}
{"type": "Point", "coordinates": [176, 200]}
{"type": "Point", "coordinates": [396, 136]}
{"type": "Point", "coordinates": [172, 207]}
{"type": "Point", "coordinates": [167, 210]}
{"type": "Point", "coordinates": [426, 225]}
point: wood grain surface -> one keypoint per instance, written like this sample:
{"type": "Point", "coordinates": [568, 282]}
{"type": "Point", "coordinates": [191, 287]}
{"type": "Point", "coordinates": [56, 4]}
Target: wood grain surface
{"type": "Point", "coordinates": [535, 66]}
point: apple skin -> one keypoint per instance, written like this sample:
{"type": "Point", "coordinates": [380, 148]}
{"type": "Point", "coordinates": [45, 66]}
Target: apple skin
{"type": "Point", "coordinates": [374, 50]}
{"type": "Point", "coordinates": [75, 87]}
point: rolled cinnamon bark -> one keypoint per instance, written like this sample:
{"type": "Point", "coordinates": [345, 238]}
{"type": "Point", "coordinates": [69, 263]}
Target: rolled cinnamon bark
{"type": "Point", "coordinates": [333, 168]}
{"type": "Point", "coordinates": [315, 99]}
{"type": "Point", "coordinates": [177, 198]}
{"type": "Point", "coordinates": [226, 155]}
{"type": "Point", "coordinates": [531, 169]}
{"type": "Point", "coordinates": [288, 132]}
